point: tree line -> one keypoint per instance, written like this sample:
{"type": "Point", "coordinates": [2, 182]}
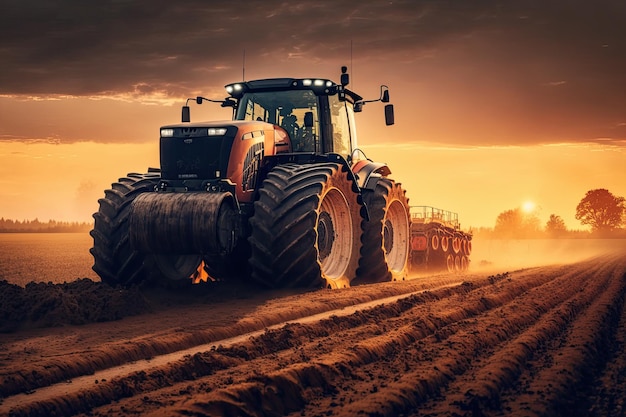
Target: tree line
{"type": "Point", "coordinates": [603, 211]}
{"type": "Point", "coordinates": [36, 226]}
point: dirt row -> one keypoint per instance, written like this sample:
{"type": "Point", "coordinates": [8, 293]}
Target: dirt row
{"type": "Point", "coordinates": [535, 342]}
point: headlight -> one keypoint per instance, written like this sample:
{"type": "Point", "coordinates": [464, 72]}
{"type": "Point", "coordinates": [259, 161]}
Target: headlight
{"type": "Point", "coordinates": [235, 90]}
{"type": "Point", "coordinates": [216, 131]}
{"type": "Point", "coordinates": [167, 133]}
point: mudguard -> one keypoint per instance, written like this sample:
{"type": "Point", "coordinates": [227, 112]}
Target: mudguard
{"type": "Point", "coordinates": [368, 173]}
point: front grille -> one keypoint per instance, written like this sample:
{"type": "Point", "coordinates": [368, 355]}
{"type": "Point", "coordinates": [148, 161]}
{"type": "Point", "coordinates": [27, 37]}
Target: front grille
{"type": "Point", "coordinates": [193, 156]}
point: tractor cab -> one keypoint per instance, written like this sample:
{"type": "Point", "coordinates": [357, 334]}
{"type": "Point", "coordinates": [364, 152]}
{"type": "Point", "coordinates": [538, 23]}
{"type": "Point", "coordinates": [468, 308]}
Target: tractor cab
{"type": "Point", "coordinates": [315, 116]}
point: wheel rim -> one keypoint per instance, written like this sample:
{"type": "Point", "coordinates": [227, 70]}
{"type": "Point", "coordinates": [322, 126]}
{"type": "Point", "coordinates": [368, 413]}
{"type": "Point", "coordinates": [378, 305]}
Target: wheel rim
{"type": "Point", "coordinates": [177, 267]}
{"type": "Point", "coordinates": [395, 236]}
{"type": "Point", "coordinates": [444, 243]}
{"type": "Point", "coordinates": [334, 234]}
{"type": "Point", "coordinates": [464, 263]}
{"type": "Point", "coordinates": [434, 242]}
{"type": "Point", "coordinates": [457, 263]}
{"type": "Point", "coordinates": [450, 263]}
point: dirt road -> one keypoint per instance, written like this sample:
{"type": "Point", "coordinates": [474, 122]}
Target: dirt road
{"type": "Point", "coordinates": [543, 341]}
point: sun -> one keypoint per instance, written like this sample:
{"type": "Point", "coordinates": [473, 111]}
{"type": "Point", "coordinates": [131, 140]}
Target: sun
{"type": "Point", "coordinates": [528, 206]}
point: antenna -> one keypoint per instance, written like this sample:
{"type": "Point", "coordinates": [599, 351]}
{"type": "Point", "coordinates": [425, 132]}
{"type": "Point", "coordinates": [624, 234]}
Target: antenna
{"type": "Point", "coordinates": [351, 67]}
{"type": "Point", "coordinates": [243, 66]}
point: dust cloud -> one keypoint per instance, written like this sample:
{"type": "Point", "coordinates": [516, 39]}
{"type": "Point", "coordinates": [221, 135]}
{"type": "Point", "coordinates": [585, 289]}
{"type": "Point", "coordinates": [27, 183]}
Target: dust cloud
{"type": "Point", "coordinates": [86, 200]}
{"type": "Point", "coordinates": [495, 254]}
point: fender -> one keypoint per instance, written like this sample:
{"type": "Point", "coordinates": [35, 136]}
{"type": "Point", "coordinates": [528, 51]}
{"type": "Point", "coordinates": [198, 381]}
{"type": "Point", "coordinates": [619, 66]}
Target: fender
{"type": "Point", "coordinates": [368, 173]}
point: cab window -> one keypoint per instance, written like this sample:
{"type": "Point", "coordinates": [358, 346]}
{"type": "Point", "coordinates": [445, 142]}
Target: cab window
{"type": "Point", "coordinates": [289, 110]}
{"type": "Point", "coordinates": [342, 119]}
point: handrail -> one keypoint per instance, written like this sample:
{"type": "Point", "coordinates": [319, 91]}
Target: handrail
{"type": "Point", "coordinates": [428, 214]}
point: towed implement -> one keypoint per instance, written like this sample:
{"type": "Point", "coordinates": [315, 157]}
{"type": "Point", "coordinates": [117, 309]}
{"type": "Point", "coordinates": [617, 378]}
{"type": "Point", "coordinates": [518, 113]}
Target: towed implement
{"type": "Point", "coordinates": [437, 241]}
{"type": "Point", "coordinates": [279, 195]}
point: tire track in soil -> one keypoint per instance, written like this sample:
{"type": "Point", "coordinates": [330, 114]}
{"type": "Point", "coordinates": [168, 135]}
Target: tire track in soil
{"type": "Point", "coordinates": [93, 359]}
{"type": "Point", "coordinates": [480, 348]}
{"type": "Point", "coordinates": [127, 352]}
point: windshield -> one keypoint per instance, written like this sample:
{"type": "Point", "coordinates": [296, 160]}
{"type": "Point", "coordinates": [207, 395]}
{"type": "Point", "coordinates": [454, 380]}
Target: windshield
{"type": "Point", "coordinates": [287, 109]}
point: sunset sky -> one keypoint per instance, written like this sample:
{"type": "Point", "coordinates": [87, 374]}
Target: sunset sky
{"type": "Point", "coordinates": [498, 103]}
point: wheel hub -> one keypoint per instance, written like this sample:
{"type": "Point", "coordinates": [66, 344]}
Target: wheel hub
{"type": "Point", "coordinates": [325, 235]}
{"type": "Point", "coordinates": [388, 236]}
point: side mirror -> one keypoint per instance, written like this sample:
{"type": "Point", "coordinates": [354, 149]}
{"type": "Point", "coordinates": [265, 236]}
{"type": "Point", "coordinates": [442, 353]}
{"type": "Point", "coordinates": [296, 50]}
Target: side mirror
{"type": "Point", "coordinates": [345, 77]}
{"type": "Point", "coordinates": [308, 119]}
{"type": "Point", "coordinates": [389, 117]}
{"type": "Point", "coordinates": [186, 116]}
{"type": "Point", "coordinates": [385, 96]}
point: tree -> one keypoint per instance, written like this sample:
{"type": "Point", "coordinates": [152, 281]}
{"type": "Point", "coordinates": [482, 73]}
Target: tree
{"type": "Point", "coordinates": [601, 210]}
{"type": "Point", "coordinates": [515, 224]}
{"type": "Point", "coordinates": [555, 226]}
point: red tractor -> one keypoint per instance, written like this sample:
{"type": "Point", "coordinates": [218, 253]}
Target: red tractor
{"type": "Point", "coordinates": [280, 195]}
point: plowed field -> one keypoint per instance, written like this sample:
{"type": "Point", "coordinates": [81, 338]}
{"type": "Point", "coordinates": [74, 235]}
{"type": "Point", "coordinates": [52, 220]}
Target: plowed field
{"type": "Point", "coordinates": [541, 341]}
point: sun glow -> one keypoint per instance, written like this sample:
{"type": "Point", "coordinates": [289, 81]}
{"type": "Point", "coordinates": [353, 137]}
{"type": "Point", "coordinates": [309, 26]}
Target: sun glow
{"type": "Point", "coordinates": [528, 206]}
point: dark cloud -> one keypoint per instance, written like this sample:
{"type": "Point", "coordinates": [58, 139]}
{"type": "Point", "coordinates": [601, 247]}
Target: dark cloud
{"type": "Point", "coordinates": [553, 62]}
{"type": "Point", "coordinates": [77, 47]}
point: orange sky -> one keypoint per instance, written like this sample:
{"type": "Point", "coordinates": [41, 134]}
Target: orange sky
{"type": "Point", "coordinates": [496, 104]}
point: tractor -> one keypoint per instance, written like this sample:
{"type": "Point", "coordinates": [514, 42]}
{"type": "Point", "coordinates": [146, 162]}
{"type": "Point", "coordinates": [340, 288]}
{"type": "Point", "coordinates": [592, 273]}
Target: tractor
{"type": "Point", "coordinates": [280, 195]}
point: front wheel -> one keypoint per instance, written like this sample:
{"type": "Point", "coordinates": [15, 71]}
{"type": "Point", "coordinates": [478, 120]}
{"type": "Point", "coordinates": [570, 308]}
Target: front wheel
{"type": "Point", "coordinates": [385, 248]}
{"type": "Point", "coordinates": [305, 228]}
{"type": "Point", "coordinates": [115, 260]}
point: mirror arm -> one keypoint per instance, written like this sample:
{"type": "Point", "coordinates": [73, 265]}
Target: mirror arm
{"type": "Point", "coordinates": [224, 103]}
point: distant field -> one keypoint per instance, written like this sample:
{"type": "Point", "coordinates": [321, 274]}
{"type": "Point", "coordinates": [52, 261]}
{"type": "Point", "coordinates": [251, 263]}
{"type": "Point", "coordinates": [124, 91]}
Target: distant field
{"type": "Point", "coordinates": [44, 257]}
{"type": "Point", "coordinates": [61, 257]}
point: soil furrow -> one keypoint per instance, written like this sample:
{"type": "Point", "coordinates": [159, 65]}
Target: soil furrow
{"type": "Point", "coordinates": [530, 342]}
{"type": "Point", "coordinates": [183, 370]}
{"type": "Point", "coordinates": [607, 398]}
{"type": "Point", "coordinates": [584, 350]}
{"type": "Point", "coordinates": [377, 348]}
{"type": "Point", "coordinates": [57, 369]}
{"type": "Point", "coordinates": [479, 391]}
{"type": "Point", "coordinates": [474, 342]}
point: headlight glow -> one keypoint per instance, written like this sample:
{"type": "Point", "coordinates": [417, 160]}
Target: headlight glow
{"type": "Point", "coordinates": [167, 133]}
{"type": "Point", "coordinates": [216, 131]}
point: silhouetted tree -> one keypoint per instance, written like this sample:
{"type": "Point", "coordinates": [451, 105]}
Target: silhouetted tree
{"type": "Point", "coordinates": [600, 209]}
{"type": "Point", "coordinates": [515, 224]}
{"type": "Point", "coordinates": [555, 226]}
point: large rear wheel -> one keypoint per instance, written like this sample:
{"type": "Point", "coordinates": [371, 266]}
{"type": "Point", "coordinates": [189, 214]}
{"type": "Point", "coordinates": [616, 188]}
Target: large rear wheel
{"type": "Point", "coordinates": [305, 228]}
{"type": "Point", "coordinates": [385, 248]}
